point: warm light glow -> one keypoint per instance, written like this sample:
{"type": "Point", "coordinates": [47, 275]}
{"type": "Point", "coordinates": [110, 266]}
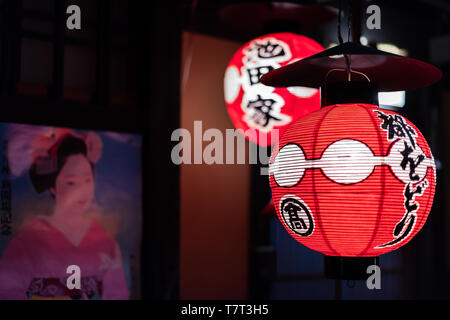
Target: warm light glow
{"type": "Point", "coordinates": [252, 105]}
{"type": "Point", "coordinates": [364, 41]}
{"type": "Point", "coordinates": [352, 180]}
{"type": "Point", "coordinates": [331, 45]}
{"type": "Point", "coordinates": [392, 99]}
{"type": "Point", "coordinates": [391, 48]}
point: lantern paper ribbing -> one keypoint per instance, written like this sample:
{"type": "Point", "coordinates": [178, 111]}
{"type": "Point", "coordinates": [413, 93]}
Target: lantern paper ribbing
{"type": "Point", "coordinates": [252, 105]}
{"type": "Point", "coordinates": [352, 180]}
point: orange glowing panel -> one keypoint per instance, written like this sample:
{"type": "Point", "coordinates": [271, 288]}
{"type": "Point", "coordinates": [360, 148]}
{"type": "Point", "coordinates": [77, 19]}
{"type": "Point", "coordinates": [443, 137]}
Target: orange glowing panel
{"type": "Point", "coordinates": [352, 180]}
{"type": "Point", "coordinates": [252, 105]}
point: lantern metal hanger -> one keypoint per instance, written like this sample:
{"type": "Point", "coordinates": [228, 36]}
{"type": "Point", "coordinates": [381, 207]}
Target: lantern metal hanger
{"type": "Point", "coordinates": [348, 68]}
{"type": "Point", "coordinates": [384, 70]}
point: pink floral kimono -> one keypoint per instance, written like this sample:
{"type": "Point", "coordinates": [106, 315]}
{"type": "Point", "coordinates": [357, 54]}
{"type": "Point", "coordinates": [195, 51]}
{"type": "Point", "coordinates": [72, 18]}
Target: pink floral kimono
{"type": "Point", "coordinates": [34, 265]}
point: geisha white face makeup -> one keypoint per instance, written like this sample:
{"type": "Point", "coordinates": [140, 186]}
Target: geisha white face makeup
{"type": "Point", "coordinates": [74, 185]}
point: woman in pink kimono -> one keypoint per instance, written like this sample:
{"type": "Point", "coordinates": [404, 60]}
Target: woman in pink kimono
{"type": "Point", "coordinates": [35, 263]}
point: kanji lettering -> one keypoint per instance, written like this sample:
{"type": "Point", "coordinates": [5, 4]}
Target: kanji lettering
{"type": "Point", "coordinates": [297, 217]}
{"type": "Point", "coordinates": [256, 73]}
{"type": "Point", "coordinates": [295, 221]}
{"type": "Point", "coordinates": [397, 127]}
{"type": "Point", "coordinates": [269, 50]}
{"type": "Point", "coordinates": [413, 163]}
{"type": "Point", "coordinates": [406, 225]}
{"type": "Point", "coordinates": [262, 111]}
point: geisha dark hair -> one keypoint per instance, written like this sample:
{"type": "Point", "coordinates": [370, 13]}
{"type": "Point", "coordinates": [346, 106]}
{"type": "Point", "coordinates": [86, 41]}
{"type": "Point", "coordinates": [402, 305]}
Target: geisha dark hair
{"type": "Point", "coordinates": [69, 146]}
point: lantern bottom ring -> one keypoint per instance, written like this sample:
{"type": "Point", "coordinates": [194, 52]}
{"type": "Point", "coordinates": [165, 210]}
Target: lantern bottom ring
{"type": "Point", "coordinates": [348, 268]}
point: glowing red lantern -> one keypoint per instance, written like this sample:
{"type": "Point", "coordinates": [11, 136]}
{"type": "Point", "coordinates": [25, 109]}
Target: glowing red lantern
{"type": "Point", "coordinates": [252, 105]}
{"type": "Point", "coordinates": [352, 180]}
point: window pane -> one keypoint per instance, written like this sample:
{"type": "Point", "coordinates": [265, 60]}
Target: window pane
{"type": "Point", "coordinates": [44, 6]}
{"type": "Point", "coordinates": [122, 74]}
{"type": "Point", "coordinates": [39, 26]}
{"type": "Point", "coordinates": [79, 68]}
{"type": "Point", "coordinates": [36, 61]}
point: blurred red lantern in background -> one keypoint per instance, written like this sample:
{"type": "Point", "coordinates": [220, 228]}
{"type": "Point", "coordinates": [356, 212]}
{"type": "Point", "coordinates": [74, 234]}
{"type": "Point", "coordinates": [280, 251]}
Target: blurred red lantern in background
{"type": "Point", "coordinates": [352, 180]}
{"type": "Point", "coordinates": [252, 105]}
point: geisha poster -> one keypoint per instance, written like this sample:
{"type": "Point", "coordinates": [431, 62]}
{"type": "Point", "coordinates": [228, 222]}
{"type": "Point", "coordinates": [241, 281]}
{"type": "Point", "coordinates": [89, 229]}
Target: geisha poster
{"type": "Point", "coordinates": [69, 198]}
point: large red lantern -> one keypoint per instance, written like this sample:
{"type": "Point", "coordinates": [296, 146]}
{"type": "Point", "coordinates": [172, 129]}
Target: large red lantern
{"type": "Point", "coordinates": [352, 180]}
{"type": "Point", "coordinates": [252, 105]}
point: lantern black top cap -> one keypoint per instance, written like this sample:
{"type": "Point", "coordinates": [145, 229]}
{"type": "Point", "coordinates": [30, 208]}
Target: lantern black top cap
{"type": "Point", "coordinates": [387, 71]}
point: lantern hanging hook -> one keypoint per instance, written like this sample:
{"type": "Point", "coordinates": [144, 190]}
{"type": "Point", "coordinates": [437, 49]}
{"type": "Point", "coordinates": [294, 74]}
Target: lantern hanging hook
{"type": "Point", "coordinates": [346, 57]}
{"type": "Point", "coordinates": [348, 71]}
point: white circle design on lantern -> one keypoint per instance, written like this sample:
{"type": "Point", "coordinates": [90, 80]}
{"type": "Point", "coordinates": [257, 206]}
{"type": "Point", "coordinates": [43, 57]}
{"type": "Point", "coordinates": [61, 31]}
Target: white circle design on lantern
{"type": "Point", "coordinates": [289, 165]}
{"type": "Point", "coordinates": [232, 84]}
{"type": "Point", "coordinates": [348, 161]}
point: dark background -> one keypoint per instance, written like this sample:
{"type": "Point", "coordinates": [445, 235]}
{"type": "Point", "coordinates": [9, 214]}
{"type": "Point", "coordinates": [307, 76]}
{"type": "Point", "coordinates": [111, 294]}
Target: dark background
{"type": "Point", "coordinates": [122, 72]}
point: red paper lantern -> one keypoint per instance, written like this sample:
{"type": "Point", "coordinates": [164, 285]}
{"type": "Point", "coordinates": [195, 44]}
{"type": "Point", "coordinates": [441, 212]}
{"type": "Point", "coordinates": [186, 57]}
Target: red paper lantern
{"type": "Point", "coordinates": [252, 105]}
{"type": "Point", "coordinates": [352, 180]}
